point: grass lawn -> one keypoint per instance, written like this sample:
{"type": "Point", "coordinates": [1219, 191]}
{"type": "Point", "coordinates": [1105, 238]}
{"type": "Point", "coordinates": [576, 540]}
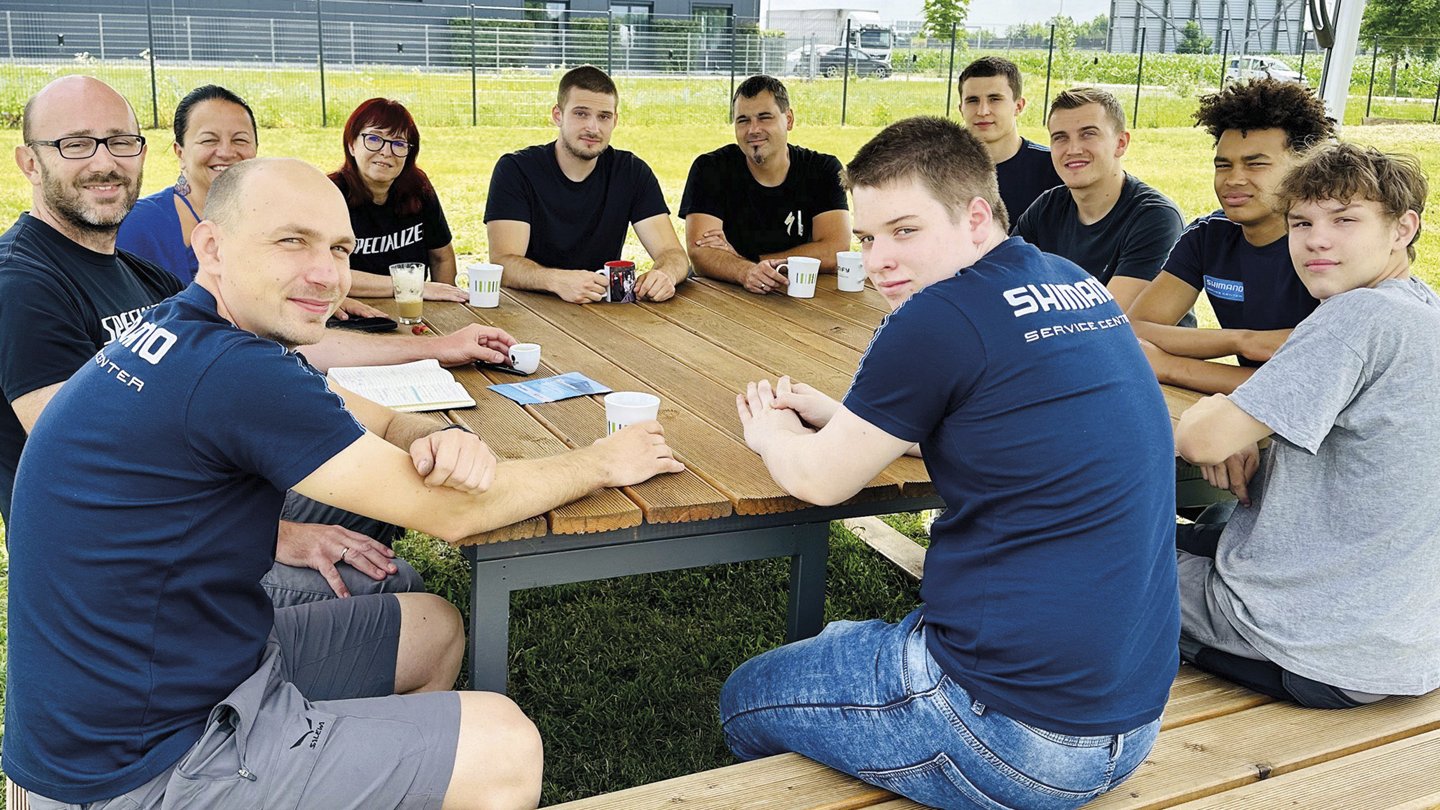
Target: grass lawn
{"type": "Point", "coordinates": [622, 675]}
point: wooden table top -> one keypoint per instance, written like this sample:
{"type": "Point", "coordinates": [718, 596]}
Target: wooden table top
{"type": "Point", "coordinates": [695, 352]}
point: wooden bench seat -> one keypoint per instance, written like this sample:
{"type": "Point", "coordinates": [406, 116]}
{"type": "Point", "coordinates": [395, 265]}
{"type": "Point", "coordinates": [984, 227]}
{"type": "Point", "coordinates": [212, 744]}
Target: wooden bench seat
{"type": "Point", "coordinates": [1221, 747]}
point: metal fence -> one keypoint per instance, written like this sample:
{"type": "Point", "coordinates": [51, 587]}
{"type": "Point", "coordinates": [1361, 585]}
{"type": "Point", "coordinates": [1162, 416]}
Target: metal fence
{"type": "Point", "coordinates": [463, 64]}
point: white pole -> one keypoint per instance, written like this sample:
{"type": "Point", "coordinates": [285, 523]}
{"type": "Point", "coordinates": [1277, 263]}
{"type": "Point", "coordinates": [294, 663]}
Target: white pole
{"type": "Point", "coordinates": [1335, 87]}
{"type": "Point", "coordinates": [100, 22]}
{"type": "Point", "coordinates": [189, 42]}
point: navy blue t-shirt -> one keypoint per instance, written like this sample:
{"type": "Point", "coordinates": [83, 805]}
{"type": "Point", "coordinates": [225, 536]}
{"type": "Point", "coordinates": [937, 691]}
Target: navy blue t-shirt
{"type": "Point", "coordinates": [59, 303]}
{"type": "Point", "coordinates": [577, 226]}
{"type": "Point", "coordinates": [761, 220]}
{"type": "Point", "coordinates": [1025, 176]}
{"type": "Point", "coordinates": [1250, 287]}
{"type": "Point", "coordinates": [144, 518]}
{"type": "Point", "coordinates": [1050, 579]}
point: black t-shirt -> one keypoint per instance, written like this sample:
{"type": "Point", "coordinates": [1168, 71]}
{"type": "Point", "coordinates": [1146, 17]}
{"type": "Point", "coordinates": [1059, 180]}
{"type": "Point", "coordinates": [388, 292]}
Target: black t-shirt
{"type": "Point", "coordinates": [760, 220]}
{"type": "Point", "coordinates": [1025, 176]}
{"type": "Point", "coordinates": [383, 237]}
{"type": "Point", "coordinates": [1249, 287]}
{"type": "Point", "coordinates": [1132, 240]}
{"type": "Point", "coordinates": [573, 225]}
{"type": "Point", "coordinates": [59, 304]}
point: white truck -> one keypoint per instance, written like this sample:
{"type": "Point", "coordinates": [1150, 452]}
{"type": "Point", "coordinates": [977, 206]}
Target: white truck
{"type": "Point", "coordinates": [818, 27]}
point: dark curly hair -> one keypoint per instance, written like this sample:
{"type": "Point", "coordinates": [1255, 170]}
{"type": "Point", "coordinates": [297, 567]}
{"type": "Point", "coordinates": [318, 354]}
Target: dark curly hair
{"type": "Point", "coordinates": [1268, 104]}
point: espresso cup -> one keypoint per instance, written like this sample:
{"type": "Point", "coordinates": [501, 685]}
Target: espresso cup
{"type": "Point", "coordinates": [525, 357]}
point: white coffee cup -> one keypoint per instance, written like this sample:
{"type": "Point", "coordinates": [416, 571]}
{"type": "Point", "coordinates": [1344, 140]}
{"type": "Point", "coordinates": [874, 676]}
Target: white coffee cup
{"type": "Point", "coordinates": [625, 408]}
{"type": "Point", "coordinates": [525, 357]}
{"type": "Point", "coordinates": [803, 272]}
{"type": "Point", "coordinates": [484, 284]}
{"type": "Point", "coordinates": [850, 271]}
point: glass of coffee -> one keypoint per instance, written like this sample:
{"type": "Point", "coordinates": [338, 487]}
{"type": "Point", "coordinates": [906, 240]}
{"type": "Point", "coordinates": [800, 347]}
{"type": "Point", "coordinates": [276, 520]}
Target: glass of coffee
{"type": "Point", "coordinates": [409, 281]}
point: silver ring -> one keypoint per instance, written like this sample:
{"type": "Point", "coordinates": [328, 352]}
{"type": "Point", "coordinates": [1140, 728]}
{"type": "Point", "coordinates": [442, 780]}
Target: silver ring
{"type": "Point", "coordinates": [343, 552]}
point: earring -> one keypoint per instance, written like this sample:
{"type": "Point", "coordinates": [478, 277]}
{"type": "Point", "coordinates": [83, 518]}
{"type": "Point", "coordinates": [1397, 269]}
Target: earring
{"type": "Point", "coordinates": [182, 186]}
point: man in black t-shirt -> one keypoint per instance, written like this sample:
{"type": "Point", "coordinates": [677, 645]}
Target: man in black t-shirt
{"type": "Point", "coordinates": [991, 103]}
{"type": "Point", "coordinates": [1108, 222]}
{"type": "Point", "coordinates": [749, 205]}
{"type": "Point", "coordinates": [1240, 255]}
{"type": "Point", "coordinates": [557, 212]}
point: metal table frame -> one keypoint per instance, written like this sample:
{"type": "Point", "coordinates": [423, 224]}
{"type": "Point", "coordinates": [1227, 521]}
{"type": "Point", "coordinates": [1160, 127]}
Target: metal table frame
{"type": "Point", "coordinates": [498, 569]}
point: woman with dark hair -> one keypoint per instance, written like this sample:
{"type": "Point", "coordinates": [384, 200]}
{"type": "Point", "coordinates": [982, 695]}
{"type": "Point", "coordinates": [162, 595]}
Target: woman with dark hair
{"type": "Point", "coordinates": [214, 130]}
{"type": "Point", "coordinates": [394, 210]}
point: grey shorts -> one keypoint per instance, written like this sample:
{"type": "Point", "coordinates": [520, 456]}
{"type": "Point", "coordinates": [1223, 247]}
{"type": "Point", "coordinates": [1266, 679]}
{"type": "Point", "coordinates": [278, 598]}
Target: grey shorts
{"type": "Point", "coordinates": [315, 726]}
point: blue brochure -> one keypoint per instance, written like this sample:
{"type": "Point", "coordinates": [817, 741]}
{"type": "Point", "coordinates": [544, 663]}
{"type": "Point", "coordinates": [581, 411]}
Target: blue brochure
{"type": "Point", "coordinates": [550, 389]}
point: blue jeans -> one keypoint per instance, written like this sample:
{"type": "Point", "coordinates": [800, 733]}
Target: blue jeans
{"type": "Point", "coordinates": [867, 698]}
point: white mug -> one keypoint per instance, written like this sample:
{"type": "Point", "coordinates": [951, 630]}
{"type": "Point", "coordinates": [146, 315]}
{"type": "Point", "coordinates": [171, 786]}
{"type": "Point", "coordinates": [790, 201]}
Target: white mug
{"type": "Point", "coordinates": [484, 284]}
{"type": "Point", "coordinates": [802, 271]}
{"type": "Point", "coordinates": [850, 271]}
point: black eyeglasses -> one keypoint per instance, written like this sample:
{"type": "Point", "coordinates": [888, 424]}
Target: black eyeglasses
{"type": "Point", "coordinates": [375, 143]}
{"type": "Point", "coordinates": [81, 147]}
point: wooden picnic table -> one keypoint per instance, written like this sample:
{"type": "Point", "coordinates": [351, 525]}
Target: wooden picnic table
{"type": "Point", "coordinates": [695, 352]}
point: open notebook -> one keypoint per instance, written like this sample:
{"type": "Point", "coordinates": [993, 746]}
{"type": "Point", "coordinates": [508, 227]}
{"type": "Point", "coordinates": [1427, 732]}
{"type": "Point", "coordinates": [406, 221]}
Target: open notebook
{"type": "Point", "coordinates": [419, 386]}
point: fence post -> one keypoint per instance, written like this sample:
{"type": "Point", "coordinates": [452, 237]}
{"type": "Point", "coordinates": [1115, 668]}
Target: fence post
{"type": "Point", "coordinates": [427, 45]}
{"type": "Point", "coordinates": [1139, 74]}
{"type": "Point", "coordinates": [845, 80]}
{"type": "Point", "coordinates": [474, 92]}
{"type": "Point", "coordinates": [320, 44]}
{"type": "Point", "coordinates": [189, 41]}
{"type": "Point", "coordinates": [1374, 58]}
{"type": "Point", "coordinates": [273, 58]}
{"type": "Point", "coordinates": [1049, 66]}
{"type": "Point", "coordinates": [154, 92]}
{"type": "Point", "coordinates": [352, 43]}
{"type": "Point", "coordinates": [950, 77]}
{"type": "Point", "coordinates": [610, 42]}
{"type": "Point", "coordinates": [732, 63]}
{"type": "Point", "coordinates": [100, 25]}
{"type": "Point", "coordinates": [1224, 53]}
{"type": "Point", "coordinates": [9, 34]}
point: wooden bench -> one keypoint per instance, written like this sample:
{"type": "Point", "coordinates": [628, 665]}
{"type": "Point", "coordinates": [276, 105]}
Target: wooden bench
{"type": "Point", "coordinates": [1221, 746]}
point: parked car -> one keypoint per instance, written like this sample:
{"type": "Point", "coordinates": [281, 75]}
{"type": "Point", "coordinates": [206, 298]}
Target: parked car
{"type": "Point", "coordinates": [832, 62]}
{"type": "Point", "coordinates": [1244, 68]}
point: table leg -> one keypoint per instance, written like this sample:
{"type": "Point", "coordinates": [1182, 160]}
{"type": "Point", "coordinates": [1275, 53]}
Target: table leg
{"type": "Point", "coordinates": [489, 625]}
{"type": "Point", "coordinates": [806, 613]}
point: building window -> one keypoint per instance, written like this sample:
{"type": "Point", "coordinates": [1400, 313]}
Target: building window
{"type": "Point", "coordinates": [546, 10]}
{"type": "Point", "coordinates": [631, 13]}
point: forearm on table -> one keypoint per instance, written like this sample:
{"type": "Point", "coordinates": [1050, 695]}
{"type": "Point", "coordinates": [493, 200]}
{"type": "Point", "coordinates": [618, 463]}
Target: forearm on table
{"type": "Point", "coordinates": [673, 263]}
{"type": "Point", "coordinates": [1183, 341]}
{"type": "Point", "coordinates": [1205, 376]}
{"type": "Point", "coordinates": [524, 274]}
{"type": "Point", "coordinates": [802, 466]}
{"type": "Point", "coordinates": [345, 348]}
{"type": "Point", "coordinates": [370, 285]}
{"type": "Point", "coordinates": [404, 428]}
{"type": "Point", "coordinates": [721, 265]}
{"type": "Point", "coordinates": [822, 250]}
{"type": "Point", "coordinates": [522, 489]}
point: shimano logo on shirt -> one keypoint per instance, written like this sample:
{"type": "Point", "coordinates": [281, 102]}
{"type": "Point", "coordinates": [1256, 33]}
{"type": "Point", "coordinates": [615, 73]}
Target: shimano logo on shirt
{"type": "Point", "coordinates": [1034, 298]}
{"type": "Point", "coordinates": [1225, 289]}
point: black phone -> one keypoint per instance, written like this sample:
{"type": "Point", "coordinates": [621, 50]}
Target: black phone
{"type": "Point", "coordinates": [363, 324]}
{"type": "Point", "coordinates": [480, 364]}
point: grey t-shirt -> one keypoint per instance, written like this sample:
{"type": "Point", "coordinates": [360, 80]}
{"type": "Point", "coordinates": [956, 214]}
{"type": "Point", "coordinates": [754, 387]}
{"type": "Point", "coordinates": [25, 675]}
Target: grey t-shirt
{"type": "Point", "coordinates": [1334, 570]}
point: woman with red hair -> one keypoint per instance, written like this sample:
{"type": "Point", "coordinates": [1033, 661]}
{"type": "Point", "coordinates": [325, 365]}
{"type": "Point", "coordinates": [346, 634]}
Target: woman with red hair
{"type": "Point", "coordinates": [394, 210]}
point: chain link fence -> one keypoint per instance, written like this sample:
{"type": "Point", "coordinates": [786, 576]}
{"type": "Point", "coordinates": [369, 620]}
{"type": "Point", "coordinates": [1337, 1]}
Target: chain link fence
{"type": "Point", "coordinates": [460, 64]}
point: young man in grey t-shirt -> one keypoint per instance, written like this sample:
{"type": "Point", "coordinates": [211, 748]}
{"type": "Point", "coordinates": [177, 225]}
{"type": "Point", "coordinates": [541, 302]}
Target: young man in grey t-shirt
{"type": "Point", "coordinates": [1322, 586]}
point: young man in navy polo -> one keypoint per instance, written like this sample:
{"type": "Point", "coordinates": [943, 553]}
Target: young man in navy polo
{"type": "Point", "coordinates": [1047, 640]}
{"type": "Point", "coordinates": [991, 103]}
{"type": "Point", "coordinates": [1239, 256]}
